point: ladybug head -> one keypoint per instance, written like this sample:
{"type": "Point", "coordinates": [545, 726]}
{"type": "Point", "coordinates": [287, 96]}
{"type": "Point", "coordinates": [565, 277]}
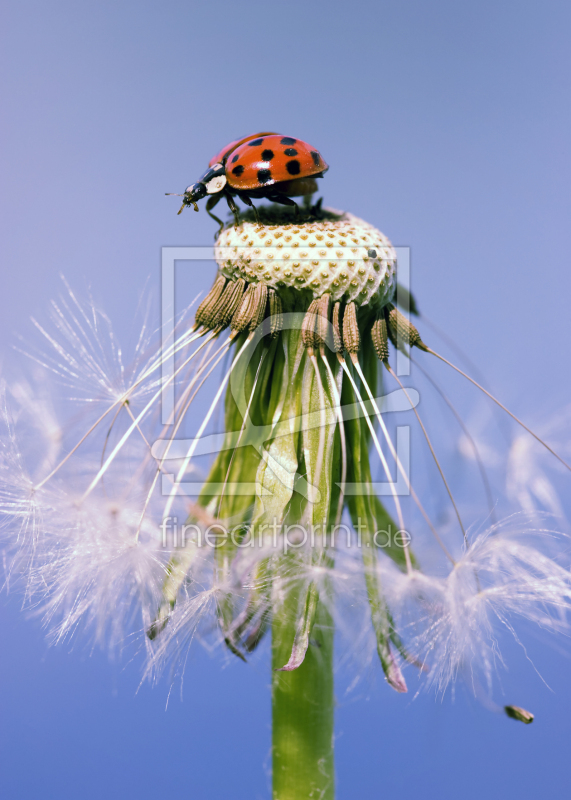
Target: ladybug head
{"type": "Point", "coordinates": [192, 193]}
{"type": "Point", "coordinates": [212, 182]}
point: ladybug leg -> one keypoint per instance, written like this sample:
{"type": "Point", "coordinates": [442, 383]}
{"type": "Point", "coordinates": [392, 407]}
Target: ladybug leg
{"type": "Point", "coordinates": [210, 203]}
{"type": "Point", "coordinates": [245, 199]}
{"type": "Point", "coordinates": [284, 201]}
{"type": "Point", "coordinates": [233, 207]}
{"type": "Point", "coordinates": [316, 209]}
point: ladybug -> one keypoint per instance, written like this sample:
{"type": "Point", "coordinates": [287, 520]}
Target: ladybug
{"type": "Point", "coordinates": [261, 165]}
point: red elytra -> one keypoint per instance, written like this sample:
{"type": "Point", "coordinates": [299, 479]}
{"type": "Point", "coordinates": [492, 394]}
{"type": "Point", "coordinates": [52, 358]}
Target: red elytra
{"type": "Point", "coordinates": [225, 152]}
{"type": "Point", "coordinates": [268, 165]}
{"type": "Point", "coordinates": [265, 160]}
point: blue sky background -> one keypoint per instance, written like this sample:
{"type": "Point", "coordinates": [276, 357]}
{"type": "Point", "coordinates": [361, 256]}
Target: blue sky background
{"type": "Point", "coordinates": [448, 126]}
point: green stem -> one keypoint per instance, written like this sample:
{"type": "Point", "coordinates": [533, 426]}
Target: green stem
{"type": "Point", "coordinates": [302, 709]}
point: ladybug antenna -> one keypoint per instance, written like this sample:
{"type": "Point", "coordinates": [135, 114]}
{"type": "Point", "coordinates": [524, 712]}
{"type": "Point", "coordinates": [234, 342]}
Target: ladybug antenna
{"type": "Point", "coordinates": [176, 194]}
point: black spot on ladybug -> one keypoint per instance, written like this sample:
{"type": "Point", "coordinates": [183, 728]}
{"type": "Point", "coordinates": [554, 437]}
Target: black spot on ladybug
{"type": "Point", "coordinates": [238, 170]}
{"type": "Point", "coordinates": [264, 175]}
{"type": "Point", "coordinates": [316, 158]}
{"type": "Point", "coordinates": [293, 167]}
{"type": "Point", "coordinates": [288, 140]}
{"type": "Point", "coordinates": [267, 155]}
{"type": "Point", "coordinates": [290, 151]}
{"type": "Point", "coordinates": [236, 157]}
{"type": "Point", "coordinates": [255, 142]}
{"type": "Point", "coordinates": [372, 253]}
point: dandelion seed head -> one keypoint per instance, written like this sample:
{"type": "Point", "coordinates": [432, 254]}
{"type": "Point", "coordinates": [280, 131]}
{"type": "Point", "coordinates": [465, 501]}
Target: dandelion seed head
{"type": "Point", "coordinates": [341, 255]}
{"type": "Point", "coordinates": [86, 517]}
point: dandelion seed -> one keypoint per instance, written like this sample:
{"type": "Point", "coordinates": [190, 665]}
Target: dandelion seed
{"type": "Point", "coordinates": [515, 712]}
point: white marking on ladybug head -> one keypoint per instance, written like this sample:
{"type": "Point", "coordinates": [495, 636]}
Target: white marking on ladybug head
{"type": "Point", "coordinates": [216, 184]}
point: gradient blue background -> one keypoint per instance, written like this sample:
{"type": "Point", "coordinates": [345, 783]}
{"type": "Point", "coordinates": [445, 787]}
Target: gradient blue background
{"type": "Point", "coordinates": [445, 123]}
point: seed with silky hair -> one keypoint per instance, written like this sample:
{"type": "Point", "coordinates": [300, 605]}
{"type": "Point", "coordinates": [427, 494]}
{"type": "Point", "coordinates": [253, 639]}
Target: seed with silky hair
{"type": "Point", "coordinates": [309, 325]}
{"type": "Point", "coordinates": [401, 330]}
{"type": "Point", "coordinates": [204, 311]}
{"type": "Point", "coordinates": [351, 335]}
{"type": "Point", "coordinates": [380, 339]}
{"type": "Point", "coordinates": [323, 335]}
{"type": "Point", "coordinates": [244, 312]}
{"type": "Point", "coordinates": [259, 302]}
{"type": "Point", "coordinates": [336, 323]}
{"type": "Point", "coordinates": [229, 302]}
{"type": "Point", "coordinates": [276, 309]}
